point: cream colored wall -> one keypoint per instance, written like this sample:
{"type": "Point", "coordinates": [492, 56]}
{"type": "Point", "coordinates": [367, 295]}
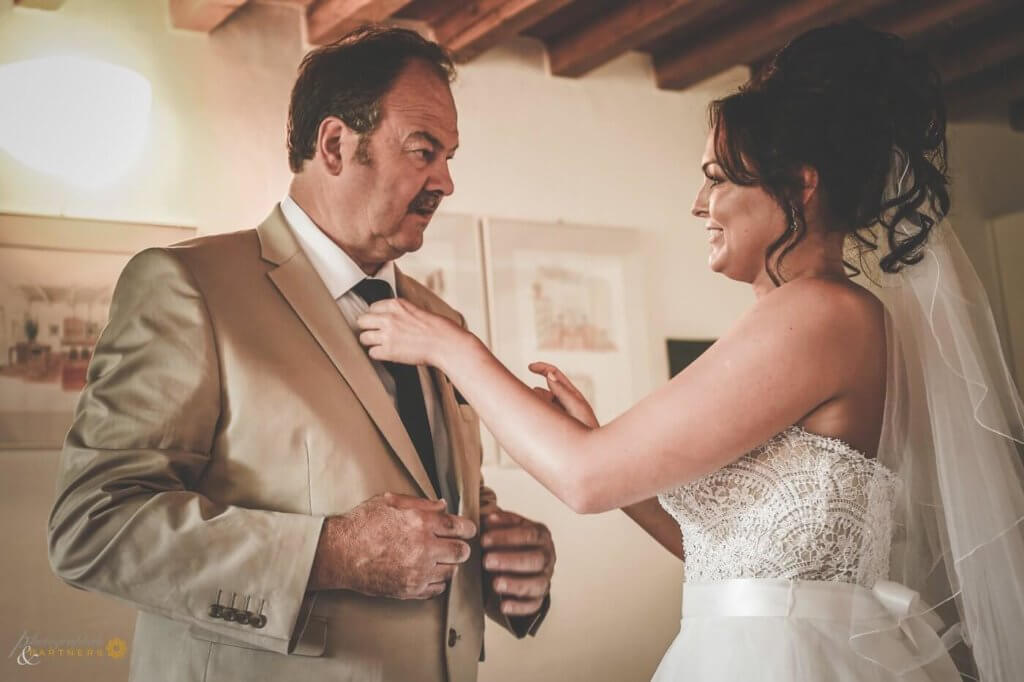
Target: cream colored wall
{"type": "Point", "coordinates": [609, 149]}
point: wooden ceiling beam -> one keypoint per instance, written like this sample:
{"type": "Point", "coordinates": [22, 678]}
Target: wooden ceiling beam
{"type": "Point", "coordinates": [620, 30]}
{"type": "Point", "coordinates": [328, 20]}
{"type": "Point", "coordinates": [202, 15]}
{"type": "Point", "coordinates": [751, 40]}
{"type": "Point", "coordinates": [292, 3]}
{"type": "Point", "coordinates": [993, 88]}
{"type": "Point", "coordinates": [478, 25]}
{"type": "Point", "coordinates": [915, 22]}
{"type": "Point", "coordinates": [986, 51]}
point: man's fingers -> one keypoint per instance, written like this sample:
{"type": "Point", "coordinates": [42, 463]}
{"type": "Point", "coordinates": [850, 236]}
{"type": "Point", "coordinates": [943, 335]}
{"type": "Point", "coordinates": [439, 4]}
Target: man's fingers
{"type": "Point", "coordinates": [531, 561]}
{"type": "Point", "coordinates": [523, 535]}
{"type": "Point", "coordinates": [432, 590]}
{"type": "Point", "coordinates": [409, 502]}
{"type": "Point", "coordinates": [522, 588]}
{"type": "Point", "coordinates": [521, 607]}
{"type": "Point", "coordinates": [443, 572]}
{"type": "Point", "coordinates": [500, 519]}
{"type": "Point", "coordinates": [452, 552]}
{"type": "Point", "coordinates": [447, 525]}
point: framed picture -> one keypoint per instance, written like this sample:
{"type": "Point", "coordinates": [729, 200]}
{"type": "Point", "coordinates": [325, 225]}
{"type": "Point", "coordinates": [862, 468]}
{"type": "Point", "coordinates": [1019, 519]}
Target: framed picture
{"type": "Point", "coordinates": [681, 352]}
{"type": "Point", "coordinates": [450, 263]}
{"type": "Point", "coordinates": [57, 276]}
{"type": "Point", "coordinates": [573, 296]}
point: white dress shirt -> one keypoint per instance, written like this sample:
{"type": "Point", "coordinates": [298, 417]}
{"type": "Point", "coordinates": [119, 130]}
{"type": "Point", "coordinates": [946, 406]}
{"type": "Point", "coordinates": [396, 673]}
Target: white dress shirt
{"type": "Point", "coordinates": [340, 274]}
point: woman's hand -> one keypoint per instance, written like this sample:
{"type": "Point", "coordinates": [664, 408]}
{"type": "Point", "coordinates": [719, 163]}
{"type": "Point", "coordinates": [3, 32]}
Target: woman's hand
{"type": "Point", "coordinates": [397, 331]}
{"type": "Point", "coordinates": [561, 393]}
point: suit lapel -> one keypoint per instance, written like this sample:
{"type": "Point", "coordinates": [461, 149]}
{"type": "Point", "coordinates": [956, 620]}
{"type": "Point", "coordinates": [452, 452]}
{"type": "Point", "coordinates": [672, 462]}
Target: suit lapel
{"type": "Point", "coordinates": [301, 287]}
{"type": "Point", "coordinates": [454, 422]}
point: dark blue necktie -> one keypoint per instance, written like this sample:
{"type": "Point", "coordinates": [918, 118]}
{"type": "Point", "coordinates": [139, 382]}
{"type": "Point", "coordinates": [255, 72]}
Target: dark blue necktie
{"type": "Point", "coordinates": [408, 390]}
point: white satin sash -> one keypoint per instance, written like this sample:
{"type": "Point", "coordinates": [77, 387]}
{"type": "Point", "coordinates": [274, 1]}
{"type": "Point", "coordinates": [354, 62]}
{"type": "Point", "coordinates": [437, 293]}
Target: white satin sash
{"type": "Point", "coordinates": [889, 624]}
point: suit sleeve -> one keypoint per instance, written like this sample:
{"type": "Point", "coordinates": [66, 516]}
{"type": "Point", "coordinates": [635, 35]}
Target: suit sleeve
{"type": "Point", "coordinates": [127, 520]}
{"type": "Point", "coordinates": [519, 626]}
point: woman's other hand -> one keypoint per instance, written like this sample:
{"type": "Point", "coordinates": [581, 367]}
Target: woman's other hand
{"type": "Point", "coordinates": [563, 394]}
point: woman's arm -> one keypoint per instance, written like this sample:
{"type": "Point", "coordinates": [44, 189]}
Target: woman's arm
{"type": "Point", "coordinates": [658, 523]}
{"type": "Point", "coordinates": [788, 355]}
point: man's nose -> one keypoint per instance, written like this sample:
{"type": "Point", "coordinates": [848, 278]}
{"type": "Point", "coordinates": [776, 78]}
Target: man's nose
{"type": "Point", "coordinates": [441, 180]}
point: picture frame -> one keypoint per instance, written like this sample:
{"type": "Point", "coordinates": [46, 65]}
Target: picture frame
{"type": "Point", "coordinates": [574, 296]}
{"type": "Point", "coordinates": [682, 352]}
{"type": "Point", "coordinates": [57, 276]}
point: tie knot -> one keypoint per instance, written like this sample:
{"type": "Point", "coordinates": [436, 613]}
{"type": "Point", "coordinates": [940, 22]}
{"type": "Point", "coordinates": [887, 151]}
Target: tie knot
{"type": "Point", "coordinates": [373, 290]}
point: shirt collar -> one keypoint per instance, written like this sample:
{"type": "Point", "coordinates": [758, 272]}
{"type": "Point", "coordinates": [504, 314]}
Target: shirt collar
{"type": "Point", "coordinates": [336, 268]}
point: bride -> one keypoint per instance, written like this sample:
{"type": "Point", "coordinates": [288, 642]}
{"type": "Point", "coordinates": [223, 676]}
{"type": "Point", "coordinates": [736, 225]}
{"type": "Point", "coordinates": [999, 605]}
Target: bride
{"type": "Point", "coordinates": [842, 462]}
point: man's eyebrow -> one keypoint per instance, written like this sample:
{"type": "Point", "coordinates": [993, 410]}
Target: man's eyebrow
{"type": "Point", "coordinates": [433, 141]}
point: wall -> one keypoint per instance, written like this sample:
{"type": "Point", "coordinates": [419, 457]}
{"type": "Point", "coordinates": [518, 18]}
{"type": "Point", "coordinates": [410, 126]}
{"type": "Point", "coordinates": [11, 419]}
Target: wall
{"type": "Point", "coordinates": [609, 149]}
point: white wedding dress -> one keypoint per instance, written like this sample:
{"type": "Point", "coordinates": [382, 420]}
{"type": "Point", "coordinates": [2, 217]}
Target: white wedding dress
{"type": "Point", "coordinates": [787, 559]}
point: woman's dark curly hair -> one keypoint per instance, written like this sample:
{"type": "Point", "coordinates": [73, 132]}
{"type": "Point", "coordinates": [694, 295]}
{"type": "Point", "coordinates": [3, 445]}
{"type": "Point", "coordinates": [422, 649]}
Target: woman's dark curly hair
{"type": "Point", "coordinates": [841, 99]}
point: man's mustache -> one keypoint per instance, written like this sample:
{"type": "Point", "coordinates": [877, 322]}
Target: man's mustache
{"type": "Point", "coordinates": [426, 201]}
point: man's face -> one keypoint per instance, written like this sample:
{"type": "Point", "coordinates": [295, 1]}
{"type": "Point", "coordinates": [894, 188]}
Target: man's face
{"type": "Point", "coordinates": [395, 178]}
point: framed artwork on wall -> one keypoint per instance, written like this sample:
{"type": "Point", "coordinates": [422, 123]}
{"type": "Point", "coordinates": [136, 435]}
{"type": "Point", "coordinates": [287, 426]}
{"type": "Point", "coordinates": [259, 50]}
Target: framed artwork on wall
{"type": "Point", "coordinates": [681, 352]}
{"type": "Point", "coordinates": [57, 276]}
{"type": "Point", "coordinates": [574, 296]}
{"type": "Point", "coordinates": [450, 264]}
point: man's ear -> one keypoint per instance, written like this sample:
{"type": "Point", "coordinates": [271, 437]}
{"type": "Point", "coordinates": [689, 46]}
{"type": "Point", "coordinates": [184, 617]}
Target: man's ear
{"type": "Point", "coordinates": [329, 143]}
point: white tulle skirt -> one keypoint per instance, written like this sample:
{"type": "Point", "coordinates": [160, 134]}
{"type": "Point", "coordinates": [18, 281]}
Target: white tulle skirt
{"type": "Point", "coordinates": [806, 631]}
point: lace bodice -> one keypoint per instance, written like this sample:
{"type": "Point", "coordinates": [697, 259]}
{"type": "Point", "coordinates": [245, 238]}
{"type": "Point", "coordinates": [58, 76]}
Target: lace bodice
{"type": "Point", "coordinates": [800, 506]}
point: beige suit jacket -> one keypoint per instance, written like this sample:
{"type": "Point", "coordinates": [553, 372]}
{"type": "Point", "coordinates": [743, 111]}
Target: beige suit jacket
{"type": "Point", "coordinates": [229, 410]}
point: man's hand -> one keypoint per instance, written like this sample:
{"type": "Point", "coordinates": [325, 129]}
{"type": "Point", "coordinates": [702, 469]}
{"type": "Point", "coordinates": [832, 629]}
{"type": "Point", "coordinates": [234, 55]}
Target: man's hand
{"type": "Point", "coordinates": [392, 546]}
{"type": "Point", "coordinates": [519, 559]}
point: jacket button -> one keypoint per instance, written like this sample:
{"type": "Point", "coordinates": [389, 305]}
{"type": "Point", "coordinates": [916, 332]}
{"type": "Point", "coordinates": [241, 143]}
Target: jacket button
{"type": "Point", "coordinates": [243, 617]}
{"type": "Point", "coordinates": [258, 621]}
{"type": "Point", "coordinates": [453, 636]}
{"type": "Point", "coordinates": [215, 610]}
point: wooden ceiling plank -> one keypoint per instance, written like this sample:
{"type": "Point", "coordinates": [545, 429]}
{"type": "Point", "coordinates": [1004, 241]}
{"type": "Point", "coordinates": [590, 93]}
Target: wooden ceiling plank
{"type": "Point", "coordinates": [202, 15]}
{"type": "Point", "coordinates": [623, 29]}
{"type": "Point", "coordinates": [916, 21]}
{"type": "Point", "coordinates": [478, 25]}
{"type": "Point", "coordinates": [293, 3]}
{"type": "Point", "coordinates": [329, 20]}
{"type": "Point", "coordinates": [995, 87]}
{"type": "Point", "coordinates": [987, 51]}
{"type": "Point", "coordinates": [751, 40]}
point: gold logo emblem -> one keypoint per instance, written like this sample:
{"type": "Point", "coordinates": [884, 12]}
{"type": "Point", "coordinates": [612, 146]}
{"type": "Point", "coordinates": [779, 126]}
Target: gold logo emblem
{"type": "Point", "coordinates": [116, 647]}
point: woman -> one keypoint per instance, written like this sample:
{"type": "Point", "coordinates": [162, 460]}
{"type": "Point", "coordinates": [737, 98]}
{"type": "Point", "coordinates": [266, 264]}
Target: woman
{"type": "Point", "coordinates": [843, 447]}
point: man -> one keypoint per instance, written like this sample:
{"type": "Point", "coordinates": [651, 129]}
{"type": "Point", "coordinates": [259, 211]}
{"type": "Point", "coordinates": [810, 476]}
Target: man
{"type": "Point", "coordinates": [277, 505]}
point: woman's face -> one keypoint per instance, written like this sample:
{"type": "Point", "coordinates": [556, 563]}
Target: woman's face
{"type": "Point", "coordinates": [741, 222]}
